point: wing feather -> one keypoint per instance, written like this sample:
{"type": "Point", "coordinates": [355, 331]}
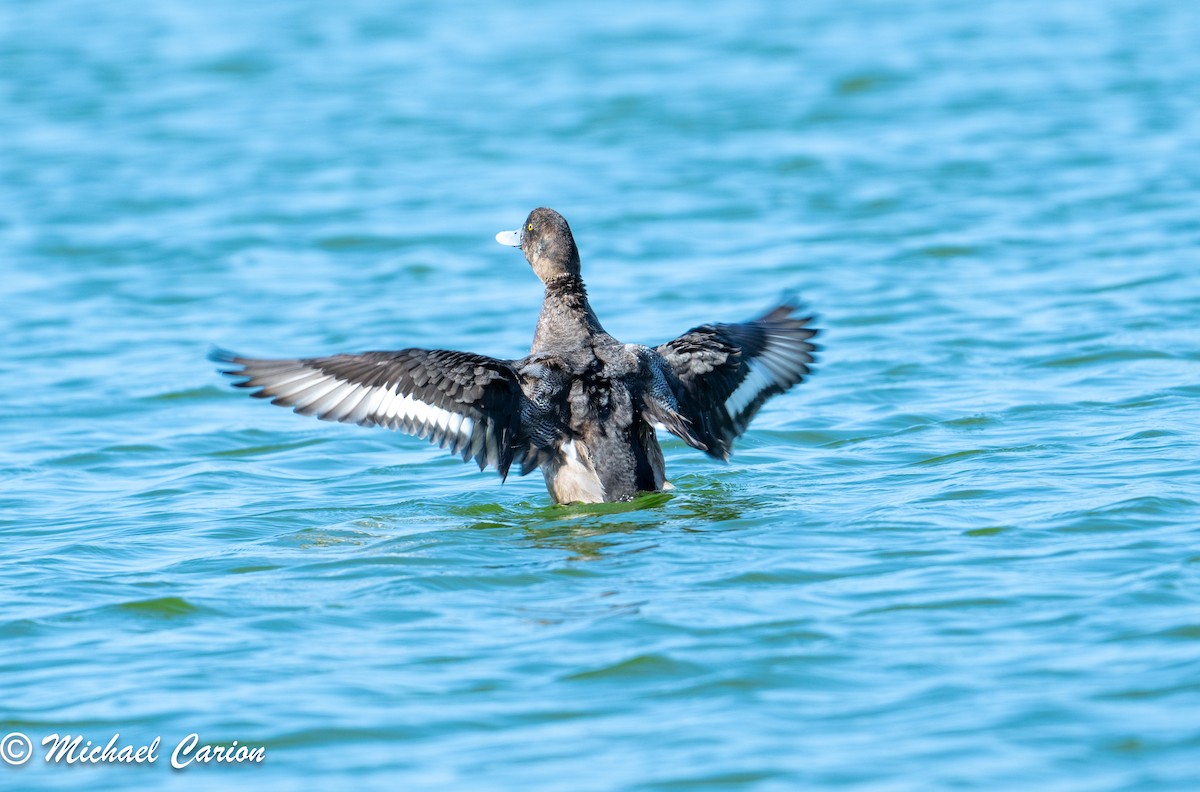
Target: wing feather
{"type": "Point", "coordinates": [726, 372]}
{"type": "Point", "coordinates": [468, 403]}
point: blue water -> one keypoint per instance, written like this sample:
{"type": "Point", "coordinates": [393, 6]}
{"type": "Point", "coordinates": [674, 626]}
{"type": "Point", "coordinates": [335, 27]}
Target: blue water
{"type": "Point", "coordinates": [965, 555]}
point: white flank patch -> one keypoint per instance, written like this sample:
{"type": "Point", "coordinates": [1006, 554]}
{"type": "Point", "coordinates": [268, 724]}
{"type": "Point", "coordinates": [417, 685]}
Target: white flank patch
{"type": "Point", "coordinates": [571, 479]}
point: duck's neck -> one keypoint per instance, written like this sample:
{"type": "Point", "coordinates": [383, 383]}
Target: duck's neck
{"type": "Point", "coordinates": [567, 320]}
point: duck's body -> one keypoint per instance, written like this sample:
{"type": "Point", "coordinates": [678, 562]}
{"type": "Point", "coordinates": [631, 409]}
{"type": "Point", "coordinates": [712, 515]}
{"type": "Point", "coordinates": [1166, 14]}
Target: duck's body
{"type": "Point", "coordinates": [582, 406]}
{"type": "Point", "coordinates": [599, 394]}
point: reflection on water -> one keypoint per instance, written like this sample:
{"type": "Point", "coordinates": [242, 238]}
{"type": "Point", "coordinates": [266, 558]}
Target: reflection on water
{"type": "Point", "coordinates": [577, 528]}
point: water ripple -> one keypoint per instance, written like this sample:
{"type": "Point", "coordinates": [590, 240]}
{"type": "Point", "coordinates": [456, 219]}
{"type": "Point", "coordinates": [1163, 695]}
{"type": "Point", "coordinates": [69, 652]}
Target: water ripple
{"type": "Point", "coordinates": [962, 556]}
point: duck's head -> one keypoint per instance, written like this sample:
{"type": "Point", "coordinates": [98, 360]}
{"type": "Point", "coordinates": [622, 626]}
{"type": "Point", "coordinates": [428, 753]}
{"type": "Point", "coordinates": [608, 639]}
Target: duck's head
{"type": "Point", "coordinates": [546, 241]}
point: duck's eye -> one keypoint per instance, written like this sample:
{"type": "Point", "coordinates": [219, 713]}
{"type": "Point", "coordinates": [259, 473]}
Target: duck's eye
{"type": "Point", "coordinates": [529, 227]}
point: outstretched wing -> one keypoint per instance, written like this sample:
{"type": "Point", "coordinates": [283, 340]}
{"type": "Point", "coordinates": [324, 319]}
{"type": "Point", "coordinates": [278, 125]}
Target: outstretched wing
{"type": "Point", "coordinates": [727, 371]}
{"type": "Point", "coordinates": [468, 403]}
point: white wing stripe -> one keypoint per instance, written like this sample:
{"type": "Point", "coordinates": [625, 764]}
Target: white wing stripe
{"type": "Point", "coordinates": [330, 398]}
{"type": "Point", "coordinates": [375, 400]}
{"type": "Point", "coordinates": [417, 411]}
{"type": "Point", "coordinates": [361, 401]}
{"type": "Point", "coordinates": [757, 380]}
{"type": "Point", "coordinates": [326, 404]}
{"type": "Point", "coordinates": [776, 359]}
{"type": "Point", "coordinates": [361, 395]}
{"type": "Point", "coordinates": [295, 387]}
{"type": "Point", "coordinates": [393, 407]}
{"type": "Point", "coordinates": [399, 409]}
{"type": "Point", "coordinates": [284, 380]}
{"type": "Point", "coordinates": [313, 394]}
{"type": "Point", "coordinates": [380, 408]}
{"type": "Point", "coordinates": [349, 400]}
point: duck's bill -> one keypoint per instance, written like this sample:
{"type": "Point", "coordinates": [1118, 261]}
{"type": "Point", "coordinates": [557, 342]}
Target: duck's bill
{"type": "Point", "coordinates": [510, 238]}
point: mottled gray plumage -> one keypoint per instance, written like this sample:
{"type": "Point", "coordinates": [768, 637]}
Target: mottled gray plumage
{"type": "Point", "coordinates": [581, 406]}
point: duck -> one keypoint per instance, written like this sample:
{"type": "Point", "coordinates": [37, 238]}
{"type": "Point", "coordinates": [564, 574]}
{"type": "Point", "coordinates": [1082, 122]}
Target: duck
{"type": "Point", "coordinates": [582, 407]}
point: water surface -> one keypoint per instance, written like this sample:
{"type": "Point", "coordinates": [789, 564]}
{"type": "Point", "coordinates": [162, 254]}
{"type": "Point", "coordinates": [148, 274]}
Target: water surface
{"type": "Point", "coordinates": [964, 555]}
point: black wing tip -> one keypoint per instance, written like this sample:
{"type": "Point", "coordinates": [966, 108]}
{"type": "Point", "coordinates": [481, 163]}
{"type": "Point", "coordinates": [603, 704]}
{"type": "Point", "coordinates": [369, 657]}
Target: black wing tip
{"type": "Point", "coordinates": [790, 298]}
{"type": "Point", "coordinates": [220, 355]}
{"type": "Point", "coordinates": [227, 360]}
{"type": "Point", "coordinates": [721, 450]}
{"type": "Point", "coordinates": [787, 306]}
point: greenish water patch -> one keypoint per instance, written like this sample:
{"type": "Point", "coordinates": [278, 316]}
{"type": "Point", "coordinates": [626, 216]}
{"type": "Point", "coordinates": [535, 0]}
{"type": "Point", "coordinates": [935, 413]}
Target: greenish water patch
{"type": "Point", "coordinates": [971, 422]}
{"type": "Point", "coordinates": [1105, 356]}
{"type": "Point", "coordinates": [955, 457]}
{"type": "Point", "coordinates": [963, 494]}
{"type": "Point", "coordinates": [948, 251]}
{"type": "Point", "coordinates": [247, 570]}
{"type": "Point", "coordinates": [642, 667]}
{"type": "Point", "coordinates": [265, 450]}
{"type": "Point", "coordinates": [1149, 434]}
{"type": "Point", "coordinates": [366, 244]}
{"type": "Point", "coordinates": [991, 530]}
{"type": "Point", "coordinates": [204, 393]}
{"type": "Point", "coordinates": [963, 604]}
{"type": "Point", "coordinates": [159, 608]}
{"type": "Point", "coordinates": [787, 577]}
{"type": "Point", "coordinates": [863, 83]}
